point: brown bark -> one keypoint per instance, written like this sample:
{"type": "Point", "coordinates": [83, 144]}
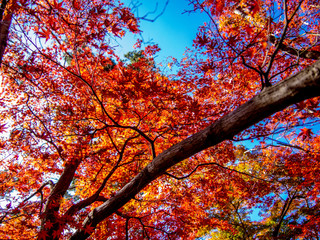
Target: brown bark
{"type": "Point", "coordinates": [54, 201]}
{"type": "Point", "coordinates": [5, 22]}
{"type": "Point", "coordinates": [301, 86]}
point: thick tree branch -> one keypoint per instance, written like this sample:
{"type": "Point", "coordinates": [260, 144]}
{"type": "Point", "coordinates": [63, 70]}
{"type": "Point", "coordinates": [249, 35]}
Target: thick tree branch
{"type": "Point", "coordinates": [5, 22]}
{"type": "Point", "coordinates": [301, 86]}
{"type": "Point", "coordinates": [284, 211]}
{"type": "Point", "coordinates": [307, 54]}
{"type": "Point", "coordinates": [54, 200]}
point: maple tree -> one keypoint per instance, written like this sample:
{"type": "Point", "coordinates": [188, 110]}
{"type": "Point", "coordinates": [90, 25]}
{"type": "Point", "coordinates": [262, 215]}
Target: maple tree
{"type": "Point", "coordinates": [99, 147]}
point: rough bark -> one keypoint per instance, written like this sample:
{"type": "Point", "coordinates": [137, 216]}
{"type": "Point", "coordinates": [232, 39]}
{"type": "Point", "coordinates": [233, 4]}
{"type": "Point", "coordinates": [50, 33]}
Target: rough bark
{"type": "Point", "coordinates": [301, 86]}
{"type": "Point", "coordinates": [54, 201]}
{"type": "Point", "coordinates": [5, 22]}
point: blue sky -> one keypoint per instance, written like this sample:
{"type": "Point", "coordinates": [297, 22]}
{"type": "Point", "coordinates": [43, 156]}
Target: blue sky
{"type": "Point", "coordinates": [173, 31]}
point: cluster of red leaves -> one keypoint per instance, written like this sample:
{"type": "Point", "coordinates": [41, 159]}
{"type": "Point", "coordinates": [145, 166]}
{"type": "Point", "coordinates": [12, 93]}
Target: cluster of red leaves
{"type": "Point", "coordinates": [86, 122]}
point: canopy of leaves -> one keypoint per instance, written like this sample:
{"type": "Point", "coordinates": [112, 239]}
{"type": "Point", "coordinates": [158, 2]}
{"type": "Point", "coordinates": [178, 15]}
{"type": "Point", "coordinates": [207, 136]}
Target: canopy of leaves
{"type": "Point", "coordinates": [78, 125]}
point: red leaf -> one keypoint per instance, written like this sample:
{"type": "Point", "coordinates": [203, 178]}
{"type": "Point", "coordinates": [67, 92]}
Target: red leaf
{"type": "Point", "coordinates": [45, 34]}
{"type": "Point", "coordinates": [305, 133]}
{"type": "Point", "coordinates": [43, 235]}
{"type": "Point", "coordinates": [2, 127]}
{"type": "Point", "coordinates": [115, 30]}
{"type": "Point", "coordinates": [202, 40]}
{"type": "Point", "coordinates": [88, 229]}
{"type": "Point", "coordinates": [219, 6]}
{"type": "Point", "coordinates": [49, 225]}
{"type": "Point", "coordinates": [56, 233]}
{"type": "Point", "coordinates": [58, 6]}
{"type": "Point", "coordinates": [133, 27]}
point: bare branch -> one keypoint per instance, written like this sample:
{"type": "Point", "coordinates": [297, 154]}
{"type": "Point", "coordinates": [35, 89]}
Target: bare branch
{"type": "Point", "coordinates": [282, 37]}
{"type": "Point", "coordinates": [135, 8]}
{"type": "Point", "coordinates": [218, 165]}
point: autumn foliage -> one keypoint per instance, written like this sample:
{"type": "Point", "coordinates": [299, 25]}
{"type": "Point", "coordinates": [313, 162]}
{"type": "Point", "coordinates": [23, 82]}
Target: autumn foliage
{"type": "Point", "coordinates": [81, 125]}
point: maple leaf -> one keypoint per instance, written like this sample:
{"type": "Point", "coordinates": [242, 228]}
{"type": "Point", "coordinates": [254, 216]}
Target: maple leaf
{"type": "Point", "coordinates": [133, 27]}
{"type": "Point", "coordinates": [56, 233]}
{"type": "Point", "coordinates": [202, 39]}
{"type": "Point", "coordinates": [89, 229]}
{"type": "Point", "coordinates": [2, 127]}
{"type": "Point", "coordinates": [43, 235]}
{"type": "Point", "coordinates": [49, 225]}
{"type": "Point", "coordinates": [116, 30]}
{"type": "Point", "coordinates": [107, 22]}
{"type": "Point", "coordinates": [58, 6]}
{"type": "Point", "coordinates": [45, 34]}
{"type": "Point", "coordinates": [305, 133]}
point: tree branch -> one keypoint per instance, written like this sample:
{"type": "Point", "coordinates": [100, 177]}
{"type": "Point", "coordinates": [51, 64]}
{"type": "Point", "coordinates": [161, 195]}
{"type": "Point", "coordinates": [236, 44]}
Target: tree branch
{"type": "Point", "coordinates": [218, 165]}
{"type": "Point", "coordinates": [284, 211]}
{"type": "Point", "coordinates": [54, 200]}
{"type": "Point", "coordinates": [307, 54]}
{"type": "Point", "coordinates": [303, 85]}
{"type": "Point", "coordinates": [5, 22]}
{"type": "Point", "coordinates": [88, 201]}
